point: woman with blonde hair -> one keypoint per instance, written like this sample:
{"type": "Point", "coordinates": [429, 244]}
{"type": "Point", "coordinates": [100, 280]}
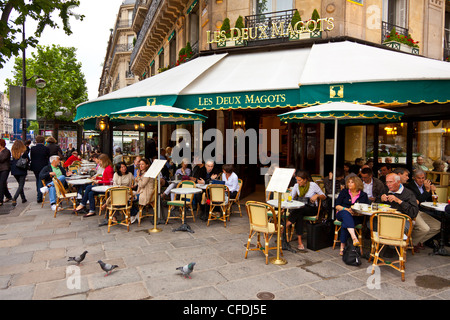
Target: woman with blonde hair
{"type": "Point", "coordinates": [352, 194]}
{"type": "Point", "coordinates": [18, 151]}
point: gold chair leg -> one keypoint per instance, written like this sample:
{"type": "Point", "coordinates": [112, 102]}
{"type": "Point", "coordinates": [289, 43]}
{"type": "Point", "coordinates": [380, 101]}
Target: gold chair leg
{"type": "Point", "coordinates": [336, 232]}
{"type": "Point", "coordinates": [168, 214]}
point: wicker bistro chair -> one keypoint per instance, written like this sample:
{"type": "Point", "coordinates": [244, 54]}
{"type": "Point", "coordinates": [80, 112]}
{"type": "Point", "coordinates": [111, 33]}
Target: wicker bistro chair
{"type": "Point", "coordinates": [391, 232]}
{"type": "Point", "coordinates": [216, 196]}
{"type": "Point", "coordinates": [259, 223]}
{"type": "Point", "coordinates": [152, 204]}
{"type": "Point", "coordinates": [180, 202]}
{"type": "Point", "coordinates": [120, 201]}
{"type": "Point", "coordinates": [337, 228]}
{"type": "Point", "coordinates": [236, 200]}
{"type": "Point", "coordinates": [44, 195]}
{"type": "Point", "coordinates": [61, 195]}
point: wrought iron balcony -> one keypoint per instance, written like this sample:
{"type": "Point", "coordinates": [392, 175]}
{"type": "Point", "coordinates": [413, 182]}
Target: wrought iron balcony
{"type": "Point", "coordinates": [387, 27]}
{"type": "Point", "coordinates": [267, 20]}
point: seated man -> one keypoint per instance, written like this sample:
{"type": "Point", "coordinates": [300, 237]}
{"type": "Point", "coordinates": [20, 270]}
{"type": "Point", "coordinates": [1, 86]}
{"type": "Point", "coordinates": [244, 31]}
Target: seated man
{"type": "Point", "coordinates": [54, 169]}
{"type": "Point", "coordinates": [372, 186]}
{"type": "Point", "coordinates": [426, 226]}
{"type": "Point", "coordinates": [74, 157]}
{"type": "Point", "coordinates": [204, 176]}
{"type": "Point", "coordinates": [420, 164]}
{"type": "Point", "coordinates": [400, 198]}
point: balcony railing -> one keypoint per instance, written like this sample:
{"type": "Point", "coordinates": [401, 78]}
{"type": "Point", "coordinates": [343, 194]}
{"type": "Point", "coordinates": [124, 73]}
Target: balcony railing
{"type": "Point", "coordinates": [268, 20]}
{"type": "Point", "coordinates": [387, 27]}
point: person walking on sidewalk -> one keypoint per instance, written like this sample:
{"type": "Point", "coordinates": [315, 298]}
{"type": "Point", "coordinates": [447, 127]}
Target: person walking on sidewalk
{"type": "Point", "coordinates": [5, 168]}
{"type": "Point", "coordinates": [19, 151]}
{"type": "Point", "coordinates": [39, 159]}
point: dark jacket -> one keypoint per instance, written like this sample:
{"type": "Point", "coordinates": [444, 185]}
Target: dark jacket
{"type": "Point", "coordinates": [15, 171]}
{"type": "Point", "coordinates": [409, 204]}
{"type": "Point", "coordinates": [45, 173]}
{"type": "Point", "coordinates": [54, 150]}
{"type": "Point", "coordinates": [203, 174]}
{"type": "Point", "coordinates": [39, 157]}
{"type": "Point", "coordinates": [5, 160]}
{"type": "Point", "coordinates": [345, 200]}
{"type": "Point", "coordinates": [422, 197]}
{"type": "Point", "coordinates": [378, 189]}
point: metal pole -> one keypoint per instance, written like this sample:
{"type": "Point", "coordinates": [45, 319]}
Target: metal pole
{"type": "Point", "coordinates": [23, 105]}
{"type": "Point", "coordinates": [155, 216]}
{"type": "Point", "coordinates": [334, 167]}
{"type": "Point", "coordinates": [278, 260]}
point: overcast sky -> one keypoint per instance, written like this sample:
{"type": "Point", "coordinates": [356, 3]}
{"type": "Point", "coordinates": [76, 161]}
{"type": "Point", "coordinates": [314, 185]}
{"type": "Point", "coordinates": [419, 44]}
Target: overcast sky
{"type": "Point", "coordinates": [89, 37]}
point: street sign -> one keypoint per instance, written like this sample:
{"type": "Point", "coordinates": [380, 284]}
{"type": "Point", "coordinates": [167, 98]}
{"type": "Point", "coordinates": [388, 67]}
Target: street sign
{"type": "Point", "coordinates": [15, 97]}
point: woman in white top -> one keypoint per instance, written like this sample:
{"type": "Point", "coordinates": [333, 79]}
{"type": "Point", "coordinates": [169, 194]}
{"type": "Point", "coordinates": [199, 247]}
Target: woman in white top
{"type": "Point", "coordinates": [231, 180]}
{"type": "Point", "coordinates": [304, 190]}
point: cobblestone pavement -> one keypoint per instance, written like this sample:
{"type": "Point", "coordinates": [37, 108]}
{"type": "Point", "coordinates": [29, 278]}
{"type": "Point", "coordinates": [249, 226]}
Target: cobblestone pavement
{"type": "Point", "coordinates": [34, 247]}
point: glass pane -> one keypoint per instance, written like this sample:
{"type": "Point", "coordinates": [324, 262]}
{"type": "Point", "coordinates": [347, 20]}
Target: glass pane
{"type": "Point", "coordinates": [355, 143]}
{"type": "Point", "coordinates": [431, 143]}
{"type": "Point", "coordinates": [263, 6]}
{"type": "Point", "coordinates": [392, 143]}
{"type": "Point", "coordinates": [284, 5]}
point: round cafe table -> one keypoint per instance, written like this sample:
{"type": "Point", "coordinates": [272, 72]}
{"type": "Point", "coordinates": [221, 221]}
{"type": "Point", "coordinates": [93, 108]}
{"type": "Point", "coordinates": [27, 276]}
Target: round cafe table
{"type": "Point", "coordinates": [79, 182]}
{"type": "Point", "coordinates": [440, 207]}
{"type": "Point", "coordinates": [288, 205]}
{"type": "Point", "coordinates": [185, 191]}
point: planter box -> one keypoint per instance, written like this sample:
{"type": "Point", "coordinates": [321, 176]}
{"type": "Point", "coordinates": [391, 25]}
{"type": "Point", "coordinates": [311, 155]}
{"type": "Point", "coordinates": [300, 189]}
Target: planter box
{"type": "Point", "coordinates": [402, 47]}
{"type": "Point", "coordinates": [230, 43]}
{"type": "Point", "coordinates": [306, 35]}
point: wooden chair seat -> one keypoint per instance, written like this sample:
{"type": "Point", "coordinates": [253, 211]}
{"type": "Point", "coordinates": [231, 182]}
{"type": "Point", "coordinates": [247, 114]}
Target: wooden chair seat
{"type": "Point", "coordinates": [61, 195]}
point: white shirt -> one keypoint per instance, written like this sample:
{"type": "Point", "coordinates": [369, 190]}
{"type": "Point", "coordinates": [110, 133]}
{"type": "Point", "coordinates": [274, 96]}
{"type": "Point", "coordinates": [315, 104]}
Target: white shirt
{"type": "Point", "coordinates": [232, 182]}
{"type": "Point", "coordinates": [368, 188]}
{"type": "Point", "coordinates": [313, 189]}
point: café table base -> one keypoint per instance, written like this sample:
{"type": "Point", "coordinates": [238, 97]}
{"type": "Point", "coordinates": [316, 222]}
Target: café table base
{"type": "Point", "coordinates": [280, 261]}
{"type": "Point", "coordinates": [441, 251]}
{"type": "Point", "coordinates": [184, 227]}
{"type": "Point", "coordinates": [286, 245]}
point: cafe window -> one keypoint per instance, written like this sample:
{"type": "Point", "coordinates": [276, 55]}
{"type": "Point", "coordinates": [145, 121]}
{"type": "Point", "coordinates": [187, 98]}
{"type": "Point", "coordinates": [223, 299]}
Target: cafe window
{"type": "Point", "coordinates": [431, 141]}
{"type": "Point", "coordinates": [265, 6]}
{"type": "Point", "coordinates": [392, 143]}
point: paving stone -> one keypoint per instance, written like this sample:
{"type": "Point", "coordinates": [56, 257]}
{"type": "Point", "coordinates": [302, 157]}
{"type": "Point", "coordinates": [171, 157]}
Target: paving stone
{"type": "Point", "coordinates": [17, 293]}
{"type": "Point", "coordinates": [38, 276]}
{"type": "Point", "coordinates": [129, 291]}
{"type": "Point", "coordinates": [60, 289]}
{"type": "Point", "coordinates": [49, 254]}
{"type": "Point", "coordinates": [117, 277]}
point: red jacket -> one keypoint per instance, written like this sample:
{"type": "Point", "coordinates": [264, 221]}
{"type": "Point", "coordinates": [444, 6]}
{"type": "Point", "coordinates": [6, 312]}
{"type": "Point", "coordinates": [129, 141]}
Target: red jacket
{"type": "Point", "coordinates": [107, 176]}
{"type": "Point", "coordinates": [70, 160]}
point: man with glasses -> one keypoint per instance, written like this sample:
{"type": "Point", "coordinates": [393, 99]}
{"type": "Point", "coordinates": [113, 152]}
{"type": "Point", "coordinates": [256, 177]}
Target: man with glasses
{"type": "Point", "coordinates": [399, 197]}
{"type": "Point", "coordinates": [372, 186]}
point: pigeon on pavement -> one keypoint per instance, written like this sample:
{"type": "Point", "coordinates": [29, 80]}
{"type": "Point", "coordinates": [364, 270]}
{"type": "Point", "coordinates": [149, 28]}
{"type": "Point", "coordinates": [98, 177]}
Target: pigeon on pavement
{"type": "Point", "coordinates": [107, 267]}
{"type": "Point", "coordinates": [187, 269]}
{"type": "Point", "coordinates": [78, 259]}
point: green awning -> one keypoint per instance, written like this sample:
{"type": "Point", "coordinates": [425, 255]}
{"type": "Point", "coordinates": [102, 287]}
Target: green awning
{"type": "Point", "coordinates": [380, 92]}
{"type": "Point", "coordinates": [103, 108]}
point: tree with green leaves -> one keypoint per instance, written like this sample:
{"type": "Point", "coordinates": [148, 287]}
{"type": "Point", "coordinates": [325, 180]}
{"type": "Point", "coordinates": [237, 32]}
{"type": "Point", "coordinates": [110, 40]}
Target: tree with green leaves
{"type": "Point", "coordinates": [66, 84]}
{"type": "Point", "coordinates": [15, 12]}
{"type": "Point", "coordinates": [226, 27]}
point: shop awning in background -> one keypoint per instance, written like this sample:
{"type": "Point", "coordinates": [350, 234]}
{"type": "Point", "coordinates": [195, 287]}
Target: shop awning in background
{"type": "Point", "coordinates": [328, 72]}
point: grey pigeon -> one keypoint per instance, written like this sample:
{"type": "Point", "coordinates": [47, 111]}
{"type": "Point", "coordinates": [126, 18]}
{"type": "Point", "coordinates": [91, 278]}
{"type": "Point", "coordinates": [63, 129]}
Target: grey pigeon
{"type": "Point", "coordinates": [187, 269]}
{"type": "Point", "coordinates": [79, 259]}
{"type": "Point", "coordinates": [107, 267]}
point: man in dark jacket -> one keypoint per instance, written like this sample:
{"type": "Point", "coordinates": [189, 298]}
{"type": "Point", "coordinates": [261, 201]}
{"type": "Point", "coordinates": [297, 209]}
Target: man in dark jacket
{"type": "Point", "coordinates": [53, 170]}
{"type": "Point", "coordinates": [39, 159]}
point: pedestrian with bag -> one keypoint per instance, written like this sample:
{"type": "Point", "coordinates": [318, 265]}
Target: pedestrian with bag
{"type": "Point", "coordinates": [19, 168]}
{"type": "Point", "coordinates": [5, 168]}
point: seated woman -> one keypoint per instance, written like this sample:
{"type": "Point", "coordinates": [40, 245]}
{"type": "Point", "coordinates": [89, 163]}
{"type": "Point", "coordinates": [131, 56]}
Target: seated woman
{"type": "Point", "coordinates": [305, 190]}
{"type": "Point", "coordinates": [106, 178]}
{"type": "Point", "coordinates": [121, 178]}
{"type": "Point", "coordinates": [231, 180]}
{"type": "Point", "coordinates": [184, 171]}
{"type": "Point", "coordinates": [145, 186]}
{"type": "Point", "coordinates": [351, 194]}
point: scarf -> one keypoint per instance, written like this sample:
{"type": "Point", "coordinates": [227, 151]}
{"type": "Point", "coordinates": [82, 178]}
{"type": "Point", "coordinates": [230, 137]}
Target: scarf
{"type": "Point", "coordinates": [303, 190]}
